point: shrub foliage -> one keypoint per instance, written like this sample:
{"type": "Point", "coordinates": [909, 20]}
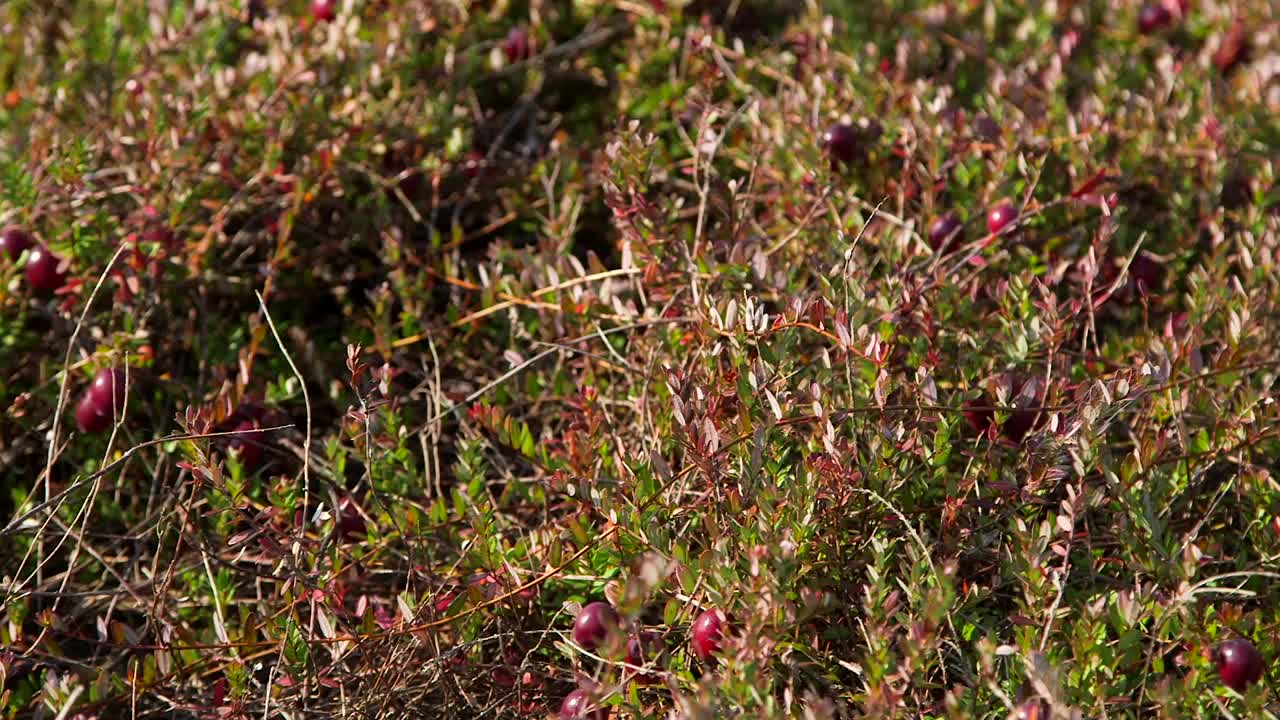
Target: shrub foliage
{"type": "Point", "coordinates": [440, 320]}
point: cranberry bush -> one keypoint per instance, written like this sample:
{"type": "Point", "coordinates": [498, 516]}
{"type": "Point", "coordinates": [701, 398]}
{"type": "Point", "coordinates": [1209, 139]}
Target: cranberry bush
{"type": "Point", "coordinates": [911, 359]}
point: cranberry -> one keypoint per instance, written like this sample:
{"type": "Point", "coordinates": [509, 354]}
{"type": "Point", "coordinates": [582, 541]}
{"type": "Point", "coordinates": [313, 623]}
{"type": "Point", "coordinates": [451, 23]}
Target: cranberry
{"type": "Point", "coordinates": [593, 624]}
{"type": "Point", "coordinates": [324, 10]}
{"type": "Point", "coordinates": [161, 236]}
{"type": "Point", "coordinates": [1152, 17]}
{"type": "Point", "coordinates": [516, 47]}
{"type": "Point", "coordinates": [707, 633]}
{"type": "Point", "coordinates": [641, 648]}
{"type": "Point", "coordinates": [400, 164]}
{"type": "Point", "coordinates": [980, 420]}
{"type": "Point", "coordinates": [1018, 424]}
{"type": "Point", "coordinates": [841, 143]}
{"type": "Point", "coordinates": [577, 704]}
{"type": "Point", "coordinates": [689, 118]}
{"type": "Point", "coordinates": [247, 443]}
{"type": "Point", "coordinates": [351, 522]}
{"type": "Point", "coordinates": [944, 233]}
{"type": "Point", "coordinates": [89, 417]}
{"type": "Point", "coordinates": [256, 10]}
{"type": "Point", "coordinates": [1146, 273]}
{"type": "Point", "coordinates": [473, 164]}
{"type": "Point", "coordinates": [249, 409]}
{"type": "Point", "coordinates": [43, 271]}
{"type": "Point", "coordinates": [1239, 663]}
{"type": "Point", "coordinates": [1000, 217]}
{"type": "Point", "coordinates": [107, 391]}
{"type": "Point", "coordinates": [986, 129]}
{"type": "Point", "coordinates": [1233, 49]}
{"type": "Point", "coordinates": [13, 240]}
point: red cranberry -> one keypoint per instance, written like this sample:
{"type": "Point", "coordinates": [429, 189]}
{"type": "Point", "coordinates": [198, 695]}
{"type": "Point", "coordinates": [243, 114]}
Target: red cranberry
{"type": "Point", "coordinates": [351, 522]}
{"type": "Point", "coordinates": [707, 633]}
{"type": "Point", "coordinates": [1239, 663]}
{"type": "Point", "coordinates": [249, 409]}
{"type": "Point", "coordinates": [980, 420]}
{"type": "Point", "coordinates": [1234, 48]}
{"type": "Point", "coordinates": [1018, 424]}
{"type": "Point", "coordinates": [324, 10]}
{"type": "Point", "coordinates": [248, 443]}
{"type": "Point", "coordinates": [1146, 273]}
{"type": "Point", "coordinates": [43, 271]}
{"type": "Point", "coordinates": [593, 624]}
{"type": "Point", "coordinates": [400, 164]}
{"type": "Point", "coordinates": [841, 143]}
{"type": "Point", "coordinates": [13, 240]}
{"type": "Point", "coordinates": [577, 704]}
{"type": "Point", "coordinates": [944, 233]}
{"type": "Point", "coordinates": [1152, 17]}
{"type": "Point", "coordinates": [688, 118]}
{"type": "Point", "coordinates": [89, 417]}
{"type": "Point", "coordinates": [256, 10]}
{"type": "Point", "coordinates": [516, 46]}
{"type": "Point", "coordinates": [107, 391]}
{"type": "Point", "coordinates": [161, 236]}
{"type": "Point", "coordinates": [1000, 217]}
{"type": "Point", "coordinates": [985, 128]}
{"type": "Point", "coordinates": [473, 164]}
{"type": "Point", "coordinates": [641, 649]}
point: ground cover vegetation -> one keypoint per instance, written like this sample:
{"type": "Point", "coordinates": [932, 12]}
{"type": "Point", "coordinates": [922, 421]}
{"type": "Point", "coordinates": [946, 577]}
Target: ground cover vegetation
{"type": "Point", "coordinates": [639, 358]}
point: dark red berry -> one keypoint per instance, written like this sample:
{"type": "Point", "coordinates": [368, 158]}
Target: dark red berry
{"type": "Point", "coordinates": [1239, 663]}
{"type": "Point", "coordinates": [688, 118]}
{"type": "Point", "coordinates": [473, 164]}
{"type": "Point", "coordinates": [255, 10]}
{"type": "Point", "coordinates": [13, 240]}
{"type": "Point", "coordinates": [642, 649]}
{"type": "Point", "coordinates": [944, 233]}
{"type": "Point", "coordinates": [248, 443]}
{"type": "Point", "coordinates": [400, 164]}
{"type": "Point", "coordinates": [89, 417]}
{"type": "Point", "coordinates": [324, 10]}
{"type": "Point", "coordinates": [351, 523]}
{"type": "Point", "coordinates": [107, 391]}
{"type": "Point", "coordinates": [593, 624]}
{"type": "Point", "coordinates": [1234, 48]}
{"type": "Point", "coordinates": [1146, 273]}
{"type": "Point", "coordinates": [980, 420]}
{"type": "Point", "coordinates": [841, 143]}
{"type": "Point", "coordinates": [1000, 216]}
{"type": "Point", "coordinates": [1020, 421]}
{"type": "Point", "coordinates": [43, 271]}
{"type": "Point", "coordinates": [1018, 424]}
{"type": "Point", "coordinates": [161, 236]}
{"type": "Point", "coordinates": [516, 47]}
{"type": "Point", "coordinates": [577, 704]}
{"type": "Point", "coordinates": [1153, 17]}
{"type": "Point", "coordinates": [249, 409]}
{"type": "Point", "coordinates": [985, 128]}
{"type": "Point", "coordinates": [707, 633]}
